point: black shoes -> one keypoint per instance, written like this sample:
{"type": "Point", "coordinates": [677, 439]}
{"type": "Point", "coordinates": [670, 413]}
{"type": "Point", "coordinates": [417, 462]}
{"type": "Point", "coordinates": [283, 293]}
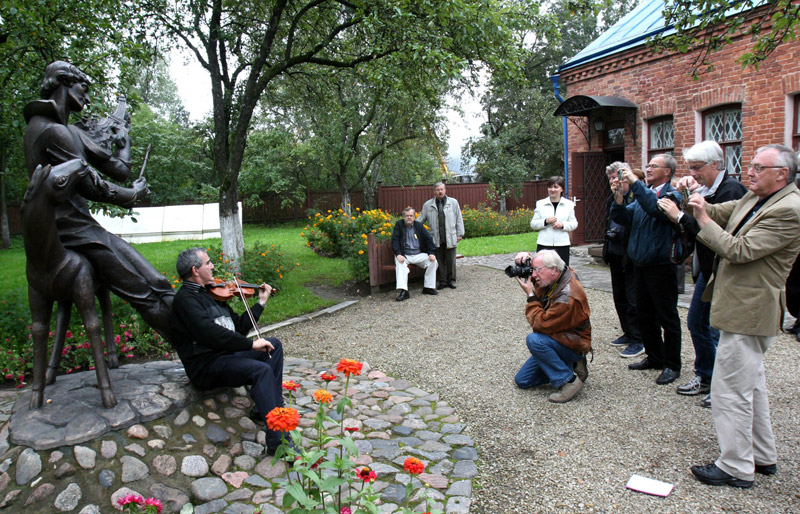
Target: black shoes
{"type": "Point", "coordinates": [667, 376]}
{"type": "Point", "coordinates": [430, 291]}
{"type": "Point", "coordinates": [256, 416]}
{"type": "Point", "coordinates": [647, 363]}
{"type": "Point", "coordinates": [766, 469]}
{"type": "Point", "coordinates": [288, 445]}
{"type": "Point", "coordinates": [451, 285]}
{"type": "Point", "coordinates": [441, 286]}
{"type": "Point", "coordinates": [581, 369]}
{"type": "Point", "coordinates": [712, 475]}
{"type": "Point", "coordinates": [402, 296]}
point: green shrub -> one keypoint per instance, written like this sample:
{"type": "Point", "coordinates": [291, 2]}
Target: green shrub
{"type": "Point", "coordinates": [335, 234]}
{"type": "Point", "coordinates": [483, 221]}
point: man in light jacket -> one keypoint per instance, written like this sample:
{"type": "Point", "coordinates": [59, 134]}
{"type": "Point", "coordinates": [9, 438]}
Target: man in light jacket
{"type": "Point", "coordinates": [756, 238]}
{"type": "Point", "coordinates": [442, 215]}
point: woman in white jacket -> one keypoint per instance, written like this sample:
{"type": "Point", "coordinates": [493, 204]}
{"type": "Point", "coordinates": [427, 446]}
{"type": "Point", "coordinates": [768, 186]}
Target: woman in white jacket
{"type": "Point", "coordinates": [553, 218]}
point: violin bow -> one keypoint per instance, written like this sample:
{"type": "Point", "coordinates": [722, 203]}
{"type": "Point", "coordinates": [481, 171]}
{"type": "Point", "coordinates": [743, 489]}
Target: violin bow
{"type": "Point", "coordinates": [249, 312]}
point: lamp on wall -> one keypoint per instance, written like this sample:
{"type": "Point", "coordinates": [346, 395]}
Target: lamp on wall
{"type": "Point", "coordinates": [599, 124]}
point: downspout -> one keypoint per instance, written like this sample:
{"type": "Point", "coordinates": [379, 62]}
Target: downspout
{"type": "Point", "coordinates": [556, 87]}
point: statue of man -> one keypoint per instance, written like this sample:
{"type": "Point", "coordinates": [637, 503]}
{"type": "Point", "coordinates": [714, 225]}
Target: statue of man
{"type": "Point", "coordinates": [50, 139]}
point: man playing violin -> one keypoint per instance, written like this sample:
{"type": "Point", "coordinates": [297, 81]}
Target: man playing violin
{"type": "Point", "coordinates": [211, 341]}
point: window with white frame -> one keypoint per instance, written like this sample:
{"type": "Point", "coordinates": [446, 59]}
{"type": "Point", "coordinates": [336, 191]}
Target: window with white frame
{"type": "Point", "coordinates": [724, 125]}
{"type": "Point", "coordinates": [661, 136]}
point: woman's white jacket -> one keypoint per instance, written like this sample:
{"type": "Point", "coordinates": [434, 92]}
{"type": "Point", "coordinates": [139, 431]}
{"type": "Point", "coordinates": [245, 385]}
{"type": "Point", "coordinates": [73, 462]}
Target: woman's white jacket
{"type": "Point", "coordinates": [565, 213]}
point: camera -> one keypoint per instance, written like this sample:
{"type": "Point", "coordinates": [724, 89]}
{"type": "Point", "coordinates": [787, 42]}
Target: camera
{"type": "Point", "coordinates": [614, 234]}
{"type": "Point", "coordinates": [672, 195]}
{"type": "Point", "coordinates": [524, 270]}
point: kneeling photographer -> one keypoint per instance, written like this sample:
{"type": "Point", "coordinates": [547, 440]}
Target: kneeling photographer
{"type": "Point", "coordinates": [558, 312]}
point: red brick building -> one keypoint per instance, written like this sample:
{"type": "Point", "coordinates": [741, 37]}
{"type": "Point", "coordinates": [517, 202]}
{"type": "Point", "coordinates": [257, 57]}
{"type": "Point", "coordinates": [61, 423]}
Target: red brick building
{"type": "Point", "coordinates": [628, 103]}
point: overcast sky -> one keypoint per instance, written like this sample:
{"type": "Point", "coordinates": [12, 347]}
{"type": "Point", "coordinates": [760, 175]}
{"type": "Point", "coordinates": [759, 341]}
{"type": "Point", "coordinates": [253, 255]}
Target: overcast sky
{"type": "Point", "coordinates": [194, 87]}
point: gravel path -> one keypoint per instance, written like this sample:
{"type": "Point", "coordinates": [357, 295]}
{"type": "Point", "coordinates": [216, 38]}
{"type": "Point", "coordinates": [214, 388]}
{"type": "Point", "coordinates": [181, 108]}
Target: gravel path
{"type": "Point", "coordinates": [537, 457]}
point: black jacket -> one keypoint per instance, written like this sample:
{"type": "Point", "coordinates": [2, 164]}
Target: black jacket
{"type": "Point", "coordinates": [729, 189]}
{"type": "Point", "coordinates": [198, 339]}
{"type": "Point", "coordinates": [399, 242]}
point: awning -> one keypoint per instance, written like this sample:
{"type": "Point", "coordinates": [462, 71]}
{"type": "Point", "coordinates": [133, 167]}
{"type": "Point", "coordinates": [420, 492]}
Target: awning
{"type": "Point", "coordinates": [582, 105]}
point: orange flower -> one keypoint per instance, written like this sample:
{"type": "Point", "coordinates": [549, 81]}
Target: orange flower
{"type": "Point", "coordinates": [283, 419]}
{"type": "Point", "coordinates": [414, 466]}
{"type": "Point", "coordinates": [323, 396]}
{"type": "Point", "coordinates": [349, 367]}
{"type": "Point", "coordinates": [327, 377]}
{"type": "Point", "coordinates": [290, 385]}
{"type": "Point", "coordinates": [366, 474]}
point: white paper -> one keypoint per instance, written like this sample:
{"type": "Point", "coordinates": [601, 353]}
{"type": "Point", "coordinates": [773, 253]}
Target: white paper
{"type": "Point", "coordinates": [649, 486]}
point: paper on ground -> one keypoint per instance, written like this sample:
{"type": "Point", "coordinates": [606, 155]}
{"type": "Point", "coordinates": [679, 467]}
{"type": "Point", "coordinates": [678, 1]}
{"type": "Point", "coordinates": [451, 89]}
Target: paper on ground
{"type": "Point", "coordinates": [649, 486]}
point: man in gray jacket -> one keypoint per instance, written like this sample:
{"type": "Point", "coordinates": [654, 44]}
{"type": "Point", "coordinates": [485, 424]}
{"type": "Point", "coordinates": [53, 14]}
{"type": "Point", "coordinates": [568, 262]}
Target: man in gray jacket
{"type": "Point", "coordinates": [442, 215]}
{"type": "Point", "coordinates": [756, 238]}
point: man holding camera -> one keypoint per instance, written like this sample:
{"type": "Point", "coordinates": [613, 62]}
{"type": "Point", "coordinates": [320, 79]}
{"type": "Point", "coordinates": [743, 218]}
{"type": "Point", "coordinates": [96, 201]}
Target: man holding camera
{"type": "Point", "coordinates": [558, 312]}
{"type": "Point", "coordinates": [656, 275]}
{"type": "Point", "coordinates": [756, 238]}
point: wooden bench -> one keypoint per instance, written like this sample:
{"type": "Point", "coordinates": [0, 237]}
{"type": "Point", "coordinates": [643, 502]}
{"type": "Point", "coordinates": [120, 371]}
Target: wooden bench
{"type": "Point", "coordinates": [381, 264]}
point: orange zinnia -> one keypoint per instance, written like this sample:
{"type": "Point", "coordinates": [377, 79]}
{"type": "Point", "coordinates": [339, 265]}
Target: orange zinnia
{"type": "Point", "coordinates": [283, 419]}
{"type": "Point", "coordinates": [323, 396]}
{"type": "Point", "coordinates": [290, 385]}
{"type": "Point", "coordinates": [414, 466]}
{"type": "Point", "coordinates": [349, 367]}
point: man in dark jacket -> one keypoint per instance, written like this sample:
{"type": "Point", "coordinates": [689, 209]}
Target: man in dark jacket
{"type": "Point", "coordinates": [709, 179]}
{"type": "Point", "coordinates": [412, 244]}
{"type": "Point", "coordinates": [656, 276]}
{"type": "Point", "coordinates": [211, 341]}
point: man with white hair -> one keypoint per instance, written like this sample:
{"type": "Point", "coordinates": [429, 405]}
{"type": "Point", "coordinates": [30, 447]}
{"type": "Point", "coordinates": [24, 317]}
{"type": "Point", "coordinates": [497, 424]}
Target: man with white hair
{"type": "Point", "coordinates": [558, 312]}
{"type": "Point", "coordinates": [708, 178]}
{"type": "Point", "coordinates": [757, 238]}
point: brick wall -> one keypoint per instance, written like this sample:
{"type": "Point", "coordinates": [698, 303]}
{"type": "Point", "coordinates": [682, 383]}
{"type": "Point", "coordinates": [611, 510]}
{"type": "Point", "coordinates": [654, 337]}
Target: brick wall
{"type": "Point", "coordinates": [661, 85]}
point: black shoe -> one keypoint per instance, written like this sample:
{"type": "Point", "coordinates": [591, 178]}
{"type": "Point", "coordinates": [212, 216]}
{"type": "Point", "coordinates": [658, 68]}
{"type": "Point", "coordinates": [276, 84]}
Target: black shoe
{"type": "Point", "coordinates": [451, 285]}
{"type": "Point", "coordinates": [430, 291]}
{"type": "Point", "coordinates": [667, 376]}
{"type": "Point", "coordinates": [766, 469]}
{"type": "Point", "coordinates": [441, 286]}
{"type": "Point", "coordinates": [706, 402]}
{"type": "Point", "coordinates": [712, 475]}
{"type": "Point", "coordinates": [794, 329]}
{"type": "Point", "coordinates": [289, 444]}
{"type": "Point", "coordinates": [256, 416]}
{"type": "Point", "coordinates": [647, 363]}
{"type": "Point", "coordinates": [402, 296]}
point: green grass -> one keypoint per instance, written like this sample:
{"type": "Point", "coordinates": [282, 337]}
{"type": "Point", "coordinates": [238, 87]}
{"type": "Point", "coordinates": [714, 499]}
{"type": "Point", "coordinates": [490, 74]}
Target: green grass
{"type": "Point", "coordinates": [307, 267]}
{"type": "Point", "coordinates": [470, 247]}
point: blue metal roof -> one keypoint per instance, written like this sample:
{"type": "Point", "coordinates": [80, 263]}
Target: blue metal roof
{"type": "Point", "coordinates": [631, 31]}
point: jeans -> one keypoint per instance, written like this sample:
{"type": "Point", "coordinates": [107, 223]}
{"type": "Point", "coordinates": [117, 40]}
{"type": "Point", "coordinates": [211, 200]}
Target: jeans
{"type": "Point", "coordinates": [550, 361]}
{"type": "Point", "coordinates": [704, 336]}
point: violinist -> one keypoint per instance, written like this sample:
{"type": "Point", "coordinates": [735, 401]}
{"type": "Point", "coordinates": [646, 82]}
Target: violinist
{"type": "Point", "coordinates": [211, 340]}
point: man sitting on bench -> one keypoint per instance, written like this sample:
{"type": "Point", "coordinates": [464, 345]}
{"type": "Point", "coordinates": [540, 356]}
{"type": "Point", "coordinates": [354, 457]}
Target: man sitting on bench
{"type": "Point", "coordinates": [412, 244]}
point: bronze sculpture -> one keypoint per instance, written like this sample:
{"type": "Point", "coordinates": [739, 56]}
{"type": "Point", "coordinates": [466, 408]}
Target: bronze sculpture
{"type": "Point", "coordinates": [57, 274]}
{"type": "Point", "coordinates": [105, 147]}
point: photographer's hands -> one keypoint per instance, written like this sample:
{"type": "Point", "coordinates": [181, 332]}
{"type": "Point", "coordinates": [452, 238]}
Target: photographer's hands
{"type": "Point", "coordinates": [526, 284]}
{"type": "Point", "coordinates": [669, 208]}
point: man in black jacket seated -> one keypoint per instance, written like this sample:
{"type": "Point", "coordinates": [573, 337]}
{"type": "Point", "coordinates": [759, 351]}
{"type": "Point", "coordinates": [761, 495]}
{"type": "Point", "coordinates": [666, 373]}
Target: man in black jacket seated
{"type": "Point", "coordinates": [412, 244]}
{"type": "Point", "coordinates": [211, 342]}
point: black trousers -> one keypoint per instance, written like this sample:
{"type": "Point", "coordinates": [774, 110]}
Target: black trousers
{"type": "Point", "coordinates": [262, 371]}
{"type": "Point", "coordinates": [657, 301]}
{"type": "Point", "coordinates": [623, 287]}
{"type": "Point", "coordinates": [793, 290]}
{"type": "Point", "coordinates": [446, 261]}
{"type": "Point", "coordinates": [562, 251]}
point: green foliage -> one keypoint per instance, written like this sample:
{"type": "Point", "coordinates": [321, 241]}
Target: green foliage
{"type": "Point", "coordinates": [274, 163]}
{"type": "Point", "coordinates": [262, 262]}
{"type": "Point", "coordinates": [483, 221]}
{"type": "Point", "coordinates": [707, 26]}
{"type": "Point", "coordinates": [336, 234]}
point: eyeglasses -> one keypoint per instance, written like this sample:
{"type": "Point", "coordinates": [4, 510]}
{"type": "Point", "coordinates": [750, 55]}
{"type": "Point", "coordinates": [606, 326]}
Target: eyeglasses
{"type": "Point", "coordinates": [537, 270]}
{"type": "Point", "coordinates": [698, 167]}
{"type": "Point", "coordinates": [759, 168]}
{"type": "Point", "coordinates": [654, 166]}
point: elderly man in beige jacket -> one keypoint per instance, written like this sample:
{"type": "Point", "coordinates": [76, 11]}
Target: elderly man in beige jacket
{"type": "Point", "coordinates": [756, 238]}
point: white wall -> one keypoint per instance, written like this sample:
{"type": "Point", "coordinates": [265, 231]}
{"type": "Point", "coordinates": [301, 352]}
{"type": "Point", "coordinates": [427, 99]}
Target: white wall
{"type": "Point", "coordinates": [170, 223]}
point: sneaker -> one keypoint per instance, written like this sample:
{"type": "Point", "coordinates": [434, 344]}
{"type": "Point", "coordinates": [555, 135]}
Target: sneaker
{"type": "Point", "coordinates": [582, 370]}
{"type": "Point", "coordinates": [706, 401]}
{"type": "Point", "coordinates": [621, 341]}
{"type": "Point", "coordinates": [695, 386]}
{"type": "Point", "coordinates": [567, 391]}
{"type": "Point", "coordinates": [633, 350]}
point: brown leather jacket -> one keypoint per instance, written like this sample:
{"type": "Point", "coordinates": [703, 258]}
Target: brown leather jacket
{"type": "Point", "coordinates": [564, 315]}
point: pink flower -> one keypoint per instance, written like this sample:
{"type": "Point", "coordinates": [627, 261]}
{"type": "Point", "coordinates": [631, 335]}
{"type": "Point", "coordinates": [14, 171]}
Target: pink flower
{"type": "Point", "coordinates": [345, 510]}
{"type": "Point", "coordinates": [129, 356]}
{"type": "Point", "coordinates": [68, 335]}
{"type": "Point", "coordinates": [86, 345]}
{"type": "Point", "coordinates": [130, 498]}
{"type": "Point", "coordinates": [155, 503]}
{"type": "Point", "coordinates": [116, 339]}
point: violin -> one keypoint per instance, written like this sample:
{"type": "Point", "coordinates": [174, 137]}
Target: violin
{"type": "Point", "coordinates": [223, 291]}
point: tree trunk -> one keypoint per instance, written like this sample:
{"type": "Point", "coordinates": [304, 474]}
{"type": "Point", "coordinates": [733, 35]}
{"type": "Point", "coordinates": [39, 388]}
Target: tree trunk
{"type": "Point", "coordinates": [502, 204]}
{"type": "Point", "coordinates": [3, 206]}
{"type": "Point", "coordinates": [230, 228]}
{"type": "Point", "coordinates": [344, 190]}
